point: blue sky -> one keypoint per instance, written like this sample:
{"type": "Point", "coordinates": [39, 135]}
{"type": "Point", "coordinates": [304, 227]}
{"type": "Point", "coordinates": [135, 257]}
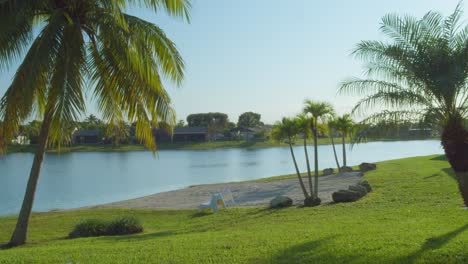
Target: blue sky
{"type": "Point", "coordinates": [267, 56]}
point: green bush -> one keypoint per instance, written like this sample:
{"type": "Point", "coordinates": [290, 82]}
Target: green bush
{"type": "Point", "coordinates": [89, 228]}
{"type": "Point", "coordinates": [120, 226]}
{"type": "Point", "coordinates": [124, 226]}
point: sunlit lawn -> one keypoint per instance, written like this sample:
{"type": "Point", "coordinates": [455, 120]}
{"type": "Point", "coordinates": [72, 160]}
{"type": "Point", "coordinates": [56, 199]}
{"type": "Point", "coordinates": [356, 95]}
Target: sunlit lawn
{"type": "Point", "coordinates": [414, 215]}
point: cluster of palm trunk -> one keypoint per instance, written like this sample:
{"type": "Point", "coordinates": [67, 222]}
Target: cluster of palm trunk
{"type": "Point", "coordinates": [317, 118]}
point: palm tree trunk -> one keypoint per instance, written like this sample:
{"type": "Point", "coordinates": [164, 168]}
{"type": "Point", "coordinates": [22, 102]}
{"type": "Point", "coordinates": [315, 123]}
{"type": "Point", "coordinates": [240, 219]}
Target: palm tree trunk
{"type": "Point", "coordinates": [309, 175]}
{"type": "Point", "coordinates": [344, 149]}
{"type": "Point", "coordinates": [334, 152]}
{"type": "Point", "coordinates": [21, 230]}
{"type": "Point", "coordinates": [455, 143]}
{"type": "Point", "coordinates": [306, 195]}
{"type": "Point", "coordinates": [316, 164]}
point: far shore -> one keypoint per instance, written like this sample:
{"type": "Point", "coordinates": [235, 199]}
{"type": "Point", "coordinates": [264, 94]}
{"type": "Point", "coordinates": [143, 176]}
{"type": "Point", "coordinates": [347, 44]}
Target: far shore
{"type": "Point", "coordinates": [187, 145]}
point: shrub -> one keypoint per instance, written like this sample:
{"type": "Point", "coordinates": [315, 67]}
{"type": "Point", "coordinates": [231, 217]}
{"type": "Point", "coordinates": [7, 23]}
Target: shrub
{"type": "Point", "coordinates": [120, 226]}
{"type": "Point", "coordinates": [124, 226]}
{"type": "Point", "coordinates": [89, 228]}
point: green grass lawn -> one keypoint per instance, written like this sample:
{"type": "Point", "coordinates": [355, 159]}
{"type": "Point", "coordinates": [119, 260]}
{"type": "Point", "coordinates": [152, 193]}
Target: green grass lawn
{"type": "Point", "coordinates": [413, 216]}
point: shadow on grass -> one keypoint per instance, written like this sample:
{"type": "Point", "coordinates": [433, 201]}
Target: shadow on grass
{"type": "Point", "coordinates": [440, 158]}
{"type": "Point", "coordinates": [301, 253]}
{"type": "Point", "coordinates": [201, 214]}
{"type": "Point", "coordinates": [434, 243]}
{"type": "Point", "coordinates": [139, 236]}
{"type": "Point", "coordinates": [450, 173]}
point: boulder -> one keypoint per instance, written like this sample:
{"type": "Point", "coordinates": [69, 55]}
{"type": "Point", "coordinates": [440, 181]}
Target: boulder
{"type": "Point", "coordinates": [346, 169]}
{"type": "Point", "coordinates": [311, 201]}
{"type": "Point", "coordinates": [328, 171]}
{"type": "Point", "coordinates": [359, 189]}
{"type": "Point", "coordinates": [281, 202]}
{"type": "Point", "coordinates": [366, 185]}
{"type": "Point", "coordinates": [367, 167]}
{"type": "Point", "coordinates": [345, 196]}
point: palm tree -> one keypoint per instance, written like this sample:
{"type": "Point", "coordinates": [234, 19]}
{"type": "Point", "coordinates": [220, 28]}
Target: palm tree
{"type": "Point", "coordinates": [303, 124]}
{"type": "Point", "coordinates": [421, 74]}
{"type": "Point", "coordinates": [331, 128]}
{"type": "Point", "coordinates": [123, 57]}
{"type": "Point", "coordinates": [287, 129]}
{"type": "Point", "coordinates": [119, 132]}
{"type": "Point", "coordinates": [92, 122]}
{"type": "Point", "coordinates": [344, 125]}
{"type": "Point", "coordinates": [319, 112]}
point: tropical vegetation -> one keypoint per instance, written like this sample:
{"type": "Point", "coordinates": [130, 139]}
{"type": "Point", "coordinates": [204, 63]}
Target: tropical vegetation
{"type": "Point", "coordinates": [80, 44]}
{"type": "Point", "coordinates": [318, 112]}
{"type": "Point", "coordinates": [420, 75]}
{"type": "Point", "coordinates": [287, 130]}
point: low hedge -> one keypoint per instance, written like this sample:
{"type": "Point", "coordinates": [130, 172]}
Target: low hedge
{"type": "Point", "coordinates": [120, 226]}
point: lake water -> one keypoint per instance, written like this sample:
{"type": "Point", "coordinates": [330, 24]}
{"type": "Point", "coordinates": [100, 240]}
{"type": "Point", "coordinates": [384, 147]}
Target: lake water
{"type": "Point", "coordinates": [89, 178]}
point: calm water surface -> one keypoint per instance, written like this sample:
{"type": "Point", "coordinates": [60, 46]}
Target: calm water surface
{"type": "Point", "coordinates": [82, 179]}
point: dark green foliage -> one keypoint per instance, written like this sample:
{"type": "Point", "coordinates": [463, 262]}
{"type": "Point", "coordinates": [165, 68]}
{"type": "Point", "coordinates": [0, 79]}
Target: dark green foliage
{"type": "Point", "coordinates": [249, 119]}
{"type": "Point", "coordinates": [89, 228]}
{"type": "Point", "coordinates": [124, 226]}
{"type": "Point", "coordinates": [120, 226]}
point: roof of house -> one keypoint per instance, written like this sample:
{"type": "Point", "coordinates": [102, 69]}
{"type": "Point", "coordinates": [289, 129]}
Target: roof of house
{"type": "Point", "coordinates": [87, 132]}
{"type": "Point", "coordinates": [190, 130]}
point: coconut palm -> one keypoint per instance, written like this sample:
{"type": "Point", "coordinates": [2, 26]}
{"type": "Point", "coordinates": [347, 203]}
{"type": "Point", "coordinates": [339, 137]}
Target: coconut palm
{"type": "Point", "coordinates": [119, 132]}
{"type": "Point", "coordinates": [420, 74]}
{"type": "Point", "coordinates": [123, 58]}
{"type": "Point", "coordinates": [287, 130]}
{"type": "Point", "coordinates": [344, 125]}
{"type": "Point", "coordinates": [318, 112]}
{"type": "Point", "coordinates": [331, 127]}
{"type": "Point", "coordinates": [303, 124]}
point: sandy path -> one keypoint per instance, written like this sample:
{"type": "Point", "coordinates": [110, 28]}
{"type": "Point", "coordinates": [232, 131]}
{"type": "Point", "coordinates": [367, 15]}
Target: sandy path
{"type": "Point", "coordinates": [245, 194]}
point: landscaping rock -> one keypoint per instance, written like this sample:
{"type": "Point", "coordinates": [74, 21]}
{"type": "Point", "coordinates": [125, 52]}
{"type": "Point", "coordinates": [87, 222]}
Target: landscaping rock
{"type": "Point", "coordinates": [328, 171]}
{"type": "Point", "coordinates": [366, 185]}
{"type": "Point", "coordinates": [345, 196]}
{"type": "Point", "coordinates": [359, 189]}
{"type": "Point", "coordinates": [310, 202]}
{"type": "Point", "coordinates": [367, 167]}
{"type": "Point", "coordinates": [281, 202]}
{"type": "Point", "coordinates": [346, 169]}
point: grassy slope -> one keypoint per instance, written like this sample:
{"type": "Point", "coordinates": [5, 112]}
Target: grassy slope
{"type": "Point", "coordinates": [414, 215]}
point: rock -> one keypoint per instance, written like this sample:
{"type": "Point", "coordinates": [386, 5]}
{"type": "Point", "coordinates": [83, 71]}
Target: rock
{"type": "Point", "coordinates": [310, 201]}
{"type": "Point", "coordinates": [366, 185]}
{"type": "Point", "coordinates": [281, 202]}
{"type": "Point", "coordinates": [328, 171]}
{"type": "Point", "coordinates": [367, 166]}
{"type": "Point", "coordinates": [346, 169]}
{"type": "Point", "coordinates": [345, 196]}
{"type": "Point", "coordinates": [359, 189]}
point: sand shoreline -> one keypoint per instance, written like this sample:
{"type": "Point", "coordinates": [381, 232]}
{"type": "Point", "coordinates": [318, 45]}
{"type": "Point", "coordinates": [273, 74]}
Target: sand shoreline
{"type": "Point", "coordinates": [245, 193]}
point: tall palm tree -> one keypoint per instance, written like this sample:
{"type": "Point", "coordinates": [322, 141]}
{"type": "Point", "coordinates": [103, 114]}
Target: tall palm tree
{"type": "Point", "coordinates": [303, 124]}
{"type": "Point", "coordinates": [287, 129]}
{"type": "Point", "coordinates": [331, 128]}
{"type": "Point", "coordinates": [123, 57]}
{"type": "Point", "coordinates": [319, 112]}
{"type": "Point", "coordinates": [420, 74]}
{"type": "Point", "coordinates": [344, 125]}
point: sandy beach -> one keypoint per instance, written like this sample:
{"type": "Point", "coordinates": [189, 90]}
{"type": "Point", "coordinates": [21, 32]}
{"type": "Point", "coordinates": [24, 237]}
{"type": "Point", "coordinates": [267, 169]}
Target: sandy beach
{"type": "Point", "coordinates": [245, 193]}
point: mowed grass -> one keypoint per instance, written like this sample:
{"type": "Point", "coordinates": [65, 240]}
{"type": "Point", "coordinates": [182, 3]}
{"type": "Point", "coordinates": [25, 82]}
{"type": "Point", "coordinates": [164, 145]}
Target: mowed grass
{"type": "Point", "coordinates": [413, 216]}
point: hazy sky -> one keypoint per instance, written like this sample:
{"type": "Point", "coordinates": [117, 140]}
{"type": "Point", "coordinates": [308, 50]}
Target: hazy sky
{"type": "Point", "coordinates": [267, 56]}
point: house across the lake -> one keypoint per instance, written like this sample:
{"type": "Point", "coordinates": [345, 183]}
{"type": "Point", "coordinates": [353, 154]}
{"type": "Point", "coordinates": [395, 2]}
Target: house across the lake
{"type": "Point", "coordinates": [182, 134]}
{"type": "Point", "coordinates": [86, 136]}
